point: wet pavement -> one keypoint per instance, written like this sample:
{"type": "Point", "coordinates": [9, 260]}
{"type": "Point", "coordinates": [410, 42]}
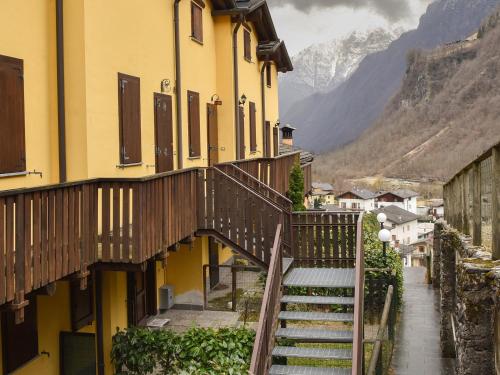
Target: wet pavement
{"type": "Point", "coordinates": [417, 350]}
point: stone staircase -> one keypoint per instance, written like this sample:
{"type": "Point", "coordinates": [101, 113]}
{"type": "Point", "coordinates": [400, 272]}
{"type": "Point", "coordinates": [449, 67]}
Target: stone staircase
{"type": "Point", "coordinates": [305, 325]}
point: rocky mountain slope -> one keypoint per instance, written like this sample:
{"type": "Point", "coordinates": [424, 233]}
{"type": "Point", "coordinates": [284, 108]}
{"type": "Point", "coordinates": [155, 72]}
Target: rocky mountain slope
{"type": "Point", "coordinates": [326, 121]}
{"type": "Point", "coordinates": [445, 114]}
{"type": "Point", "coordinates": [323, 67]}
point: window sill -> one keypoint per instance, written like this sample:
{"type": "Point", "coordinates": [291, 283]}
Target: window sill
{"type": "Point", "coordinates": [14, 174]}
{"type": "Point", "coordinates": [248, 60]}
{"type": "Point", "coordinates": [268, 86]}
{"type": "Point", "coordinates": [196, 40]}
{"type": "Point", "coordinates": [194, 157]}
{"type": "Point", "coordinates": [123, 166]}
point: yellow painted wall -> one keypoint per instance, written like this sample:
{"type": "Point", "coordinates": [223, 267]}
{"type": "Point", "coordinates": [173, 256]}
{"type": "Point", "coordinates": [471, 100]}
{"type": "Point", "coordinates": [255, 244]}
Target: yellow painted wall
{"type": "Point", "coordinates": [114, 306]}
{"type": "Point", "coordinates": [272, 102]}
{"type": "Point", "coordinates": [225, 254]}
{"type": "Point", "coordinates": [185, 271]}
{"type": "Point", "coordinates": [27, 32]}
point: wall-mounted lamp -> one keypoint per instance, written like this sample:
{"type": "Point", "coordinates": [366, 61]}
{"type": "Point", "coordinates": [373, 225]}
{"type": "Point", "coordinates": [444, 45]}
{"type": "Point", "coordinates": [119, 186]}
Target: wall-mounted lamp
{"type": "Point", "coordinates": [165, 85]}
{"type": "Point", "coordinates": [243, 99]}
{"type": "Point", "coordinates": [216, 100]}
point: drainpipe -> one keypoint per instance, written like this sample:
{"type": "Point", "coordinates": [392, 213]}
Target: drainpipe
{"type": "Point", "coordinates": [61, 110]}
{"type": "Point", "coordinates": [236, 85]}
{"type": "Point", "coordinates": [178, 85]}
{"type": "Point", "coordinates": [263, 105]}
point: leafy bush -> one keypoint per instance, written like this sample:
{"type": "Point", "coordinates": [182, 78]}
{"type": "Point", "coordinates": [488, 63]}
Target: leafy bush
{"type": "Point", "coordinates": [296, 188]}
{"type": "Point", "coordinates": [140, 351]}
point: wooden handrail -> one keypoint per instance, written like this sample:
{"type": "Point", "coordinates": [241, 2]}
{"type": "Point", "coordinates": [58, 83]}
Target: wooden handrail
{"type": "Point", "coordinates": [381, 332]}
{"type": "Point", "coordinates": [357, 346]}
{"type": "Point", "coordinates": [268, 319]}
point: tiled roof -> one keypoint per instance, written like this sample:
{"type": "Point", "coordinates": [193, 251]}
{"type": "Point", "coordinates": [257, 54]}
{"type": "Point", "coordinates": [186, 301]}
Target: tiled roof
{"type": "Point", "coordinates": [362, 193]}
{"type": "Point", "coordinates": [305, 156]}
{"type": "Point", "coordinates": [396, 214]}
{"type": "Point", "coordinates": [322, 185]}
{"type": "Point", "coordinates": [403, 193]}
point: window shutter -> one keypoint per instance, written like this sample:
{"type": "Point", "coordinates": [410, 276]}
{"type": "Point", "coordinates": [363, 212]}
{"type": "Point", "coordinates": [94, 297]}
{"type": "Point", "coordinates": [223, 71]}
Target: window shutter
{"type": "Point", "coordinates": [268, 140]}
{"type": "Point", "coordinates": [242, 133]}
{"type": "Point", "coordinates": [276, 141]}
{"type": "Point", "coordinates": [268, 76]}
{"type": "Point", "coordinates": [12, 143]}
{"type": "Point", "coordinates": [253, 130]}
{"type": "Point", "coordinates": [194, 124]}
{"type": "Point", "coordinates": [130, 119]}
{"type": "Point", "coordinates": [196, 22]}
{"type": "Point", "coordinates": [82, 308]}
{"type": "Point", "coordinates": [247, 44]}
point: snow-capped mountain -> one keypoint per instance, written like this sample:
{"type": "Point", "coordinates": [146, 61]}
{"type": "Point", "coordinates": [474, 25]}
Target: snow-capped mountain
{"type": "Point", "coordinates": [324, 66]}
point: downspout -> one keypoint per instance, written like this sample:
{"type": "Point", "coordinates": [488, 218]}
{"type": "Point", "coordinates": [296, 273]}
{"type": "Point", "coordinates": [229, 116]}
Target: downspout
{"type": "Point", "coordinates": [99, 322]}
{"type": "Point", "coordinates": [61, 110]}
{"type": "Point", "coordinates": [236, 85]}
{"type": "Point", "coordinates": [178, 85]}
{"type": "Point", "coordinates": [263, 105]}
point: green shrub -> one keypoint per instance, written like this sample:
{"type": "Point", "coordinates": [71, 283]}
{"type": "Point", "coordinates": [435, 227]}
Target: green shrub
{"type": "Point", "coordinates": [296, 188]}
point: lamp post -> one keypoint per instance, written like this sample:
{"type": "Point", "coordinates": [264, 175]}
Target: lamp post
{"type": "Point", "coordinates": [384, 235]}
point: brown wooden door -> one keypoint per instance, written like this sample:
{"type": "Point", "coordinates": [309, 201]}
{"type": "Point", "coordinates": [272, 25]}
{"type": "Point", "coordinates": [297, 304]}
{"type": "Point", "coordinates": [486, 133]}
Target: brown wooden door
{"type": "Point", "coordinates": [213, 135]}
{"type": "Point", "coordinates": [242, 133]}
{"type": "Point", "coordinates": [164, 148]}
{"type": "Point", "coordinates": [136, 297]}
{"type": "Point", "coordinates": [268, 139]}
{"type": "Point", "coordinates": [213, 259]}
{"type": "Point", "coordinates": [276, 141]}
{"type": "Point", "coordinates": [12, 143]}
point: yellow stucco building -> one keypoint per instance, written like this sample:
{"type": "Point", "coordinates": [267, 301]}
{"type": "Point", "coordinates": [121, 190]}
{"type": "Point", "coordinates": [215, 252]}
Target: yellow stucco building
{"type": "Point", "coordinates": [95, 94]}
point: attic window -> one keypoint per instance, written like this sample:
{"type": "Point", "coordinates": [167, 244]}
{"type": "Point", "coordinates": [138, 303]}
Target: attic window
{"type": "Point", "coordinates": [197, 21]}
{"type": "Point", "coordinates": [247, 45]}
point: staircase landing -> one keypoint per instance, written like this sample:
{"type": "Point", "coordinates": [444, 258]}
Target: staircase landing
{"type": "Point", "coordinates": [320, 277]}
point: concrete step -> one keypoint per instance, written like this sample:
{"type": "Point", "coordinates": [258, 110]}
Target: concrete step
{"type": "Point", "coordinates": [318, 300]}
{"type": "Point", "coordinates": [315, 335]}
{"type": "Point", "coordinates": [314, 353]}
{"type": "Point", "coordinates": [303, 370]}
{"type": "Point", "coordinates": [320, 278]}
{"type": "Point", "coordinates": [316, 316]}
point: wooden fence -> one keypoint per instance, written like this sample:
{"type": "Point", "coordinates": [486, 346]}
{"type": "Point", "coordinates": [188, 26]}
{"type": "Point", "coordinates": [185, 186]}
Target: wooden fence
{"type": "Point", "coordinates": [51, 232]}
{"type": "Point", "coordinates": [324, 239]}
{"type": "Point", "coordinates": [268, 320]}
{"type": "Point", "coordinates": [472, 200]}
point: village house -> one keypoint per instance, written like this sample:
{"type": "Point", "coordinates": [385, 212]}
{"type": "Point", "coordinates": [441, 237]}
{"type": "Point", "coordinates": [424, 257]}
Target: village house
{"type": "Point", "coordinates": [322, 192]}
{"type": "Point", "coordinates": [403, 198]}
{"type": "Point", "coordinates": [403, 225]}
{"type": "Point", "coordinates": [357, 199]}
{"type": "Point", "coordinates": [109, 114]}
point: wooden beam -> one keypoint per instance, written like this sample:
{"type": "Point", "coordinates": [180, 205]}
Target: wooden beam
{"type": "Point", "coordinates": [495, 207]}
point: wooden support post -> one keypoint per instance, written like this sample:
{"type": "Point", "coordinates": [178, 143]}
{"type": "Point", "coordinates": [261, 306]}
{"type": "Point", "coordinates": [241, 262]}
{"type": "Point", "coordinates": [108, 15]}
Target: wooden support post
{"type": "Point", "coordinates": [233, 289]}
{"type": "Point", "coordinates": [495, 207]}
{"type": "Point", "coordinates": [476, 205]}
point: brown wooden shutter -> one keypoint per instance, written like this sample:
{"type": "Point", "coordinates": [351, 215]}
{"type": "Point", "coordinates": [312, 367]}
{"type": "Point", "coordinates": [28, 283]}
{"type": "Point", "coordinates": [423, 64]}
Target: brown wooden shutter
{"type": "Point", "coordinates": [12, 143]}
{"type": "Point", "coordinates": [276, 141]}
{"type": "Point", "coordinates": [268, 139]}
{"type": "Point", "coordinates": [194, 124]}
{"type": "Point", "coordinates": [82, 305]}
{"type": "Point", "coordinates": [196, 22]}
{"type": "Point", "coordinates": [253, 128]}
{"type": "Point", "coordinates": [247, 44]}
{"type": "Point", "coordinates": [130, 119]}
{"type": "Point", "coordinates": [19, 341]}
{"type": "Point", "coordinates": [269, 79]}
{"type": "Point", "coordinates": [242, 133]}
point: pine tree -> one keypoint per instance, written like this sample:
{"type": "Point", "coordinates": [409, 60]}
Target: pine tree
{"type": "Point", "coordinates": [296, 188]}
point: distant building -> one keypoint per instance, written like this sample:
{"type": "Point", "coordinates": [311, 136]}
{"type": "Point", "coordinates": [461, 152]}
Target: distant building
{"type": "Point", "coordinates": [357, 199]}
{"type": "Point", "coordinates": [437, 208]}
{"type": "Point", "coordinates": [403, 225]}
{"type": "Point", "coordinates": [403, 198]}
{"type": "Point", "coordinates": [323, 192]}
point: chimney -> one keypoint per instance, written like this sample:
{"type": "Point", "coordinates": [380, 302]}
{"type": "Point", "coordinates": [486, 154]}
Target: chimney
{"type": "Point", "coordinates": [287, 134]}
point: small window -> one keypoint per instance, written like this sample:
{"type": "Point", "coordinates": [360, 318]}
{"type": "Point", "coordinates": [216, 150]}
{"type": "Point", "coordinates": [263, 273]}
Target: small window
{"type": "Point", "coordinates": [194, 124]}
{"type": "Point", "coordinates": [20, 341]}
{"type": "Point", "coordinates": [269, 78]}
{"type": "Point", "coordinates": [129, 88]}
{"type": "Point", "coordinates": [247, 45]}
{"type": "Point", "coordinates": [197, 21]}
{"type": "Point", "coordinates": [12, 142]}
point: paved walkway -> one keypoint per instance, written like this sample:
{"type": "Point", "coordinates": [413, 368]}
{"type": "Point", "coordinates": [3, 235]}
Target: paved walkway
{"type": "Point", "coordinates": [417, 349]}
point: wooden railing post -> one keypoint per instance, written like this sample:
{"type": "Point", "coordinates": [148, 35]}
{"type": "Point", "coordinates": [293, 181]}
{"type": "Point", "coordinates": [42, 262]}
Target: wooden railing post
{"type": "Point", "coordinates": [476, 204]}
{"type": "Point", "coordinates": [495, 207]}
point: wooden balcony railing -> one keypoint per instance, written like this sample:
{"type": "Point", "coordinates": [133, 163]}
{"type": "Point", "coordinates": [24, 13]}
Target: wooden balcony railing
{"type": "Point", "coordinates": [274, 172]}
{"type": "Point", "coordinates": [50, 232]}
{"type": "Point", "coordinates": [268, 320]}
{"type": "Point", "coordinates": [359, 292]}
{"type": "Point", "coordinates": [241, 217]}
{"type": "Point", "coordinates": [324, 239]}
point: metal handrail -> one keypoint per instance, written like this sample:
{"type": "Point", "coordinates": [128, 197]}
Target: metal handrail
{"type": "Point", "coordinates": [359, 291]}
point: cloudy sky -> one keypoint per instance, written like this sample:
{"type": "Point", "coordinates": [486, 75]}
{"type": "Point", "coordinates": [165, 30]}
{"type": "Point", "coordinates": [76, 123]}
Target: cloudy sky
{"type": "Point", "coordinates": [301, 23]}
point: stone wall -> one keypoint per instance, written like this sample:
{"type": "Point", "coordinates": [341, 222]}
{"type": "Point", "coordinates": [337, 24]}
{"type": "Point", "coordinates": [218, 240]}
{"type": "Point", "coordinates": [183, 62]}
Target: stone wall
{"type": "Point", "coordinates": [469, 301]}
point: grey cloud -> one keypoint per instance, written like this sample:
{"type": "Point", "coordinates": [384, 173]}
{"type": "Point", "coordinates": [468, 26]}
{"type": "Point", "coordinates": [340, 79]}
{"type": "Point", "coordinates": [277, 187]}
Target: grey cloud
{"type": "Point", "coordinates": [391, 9]}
